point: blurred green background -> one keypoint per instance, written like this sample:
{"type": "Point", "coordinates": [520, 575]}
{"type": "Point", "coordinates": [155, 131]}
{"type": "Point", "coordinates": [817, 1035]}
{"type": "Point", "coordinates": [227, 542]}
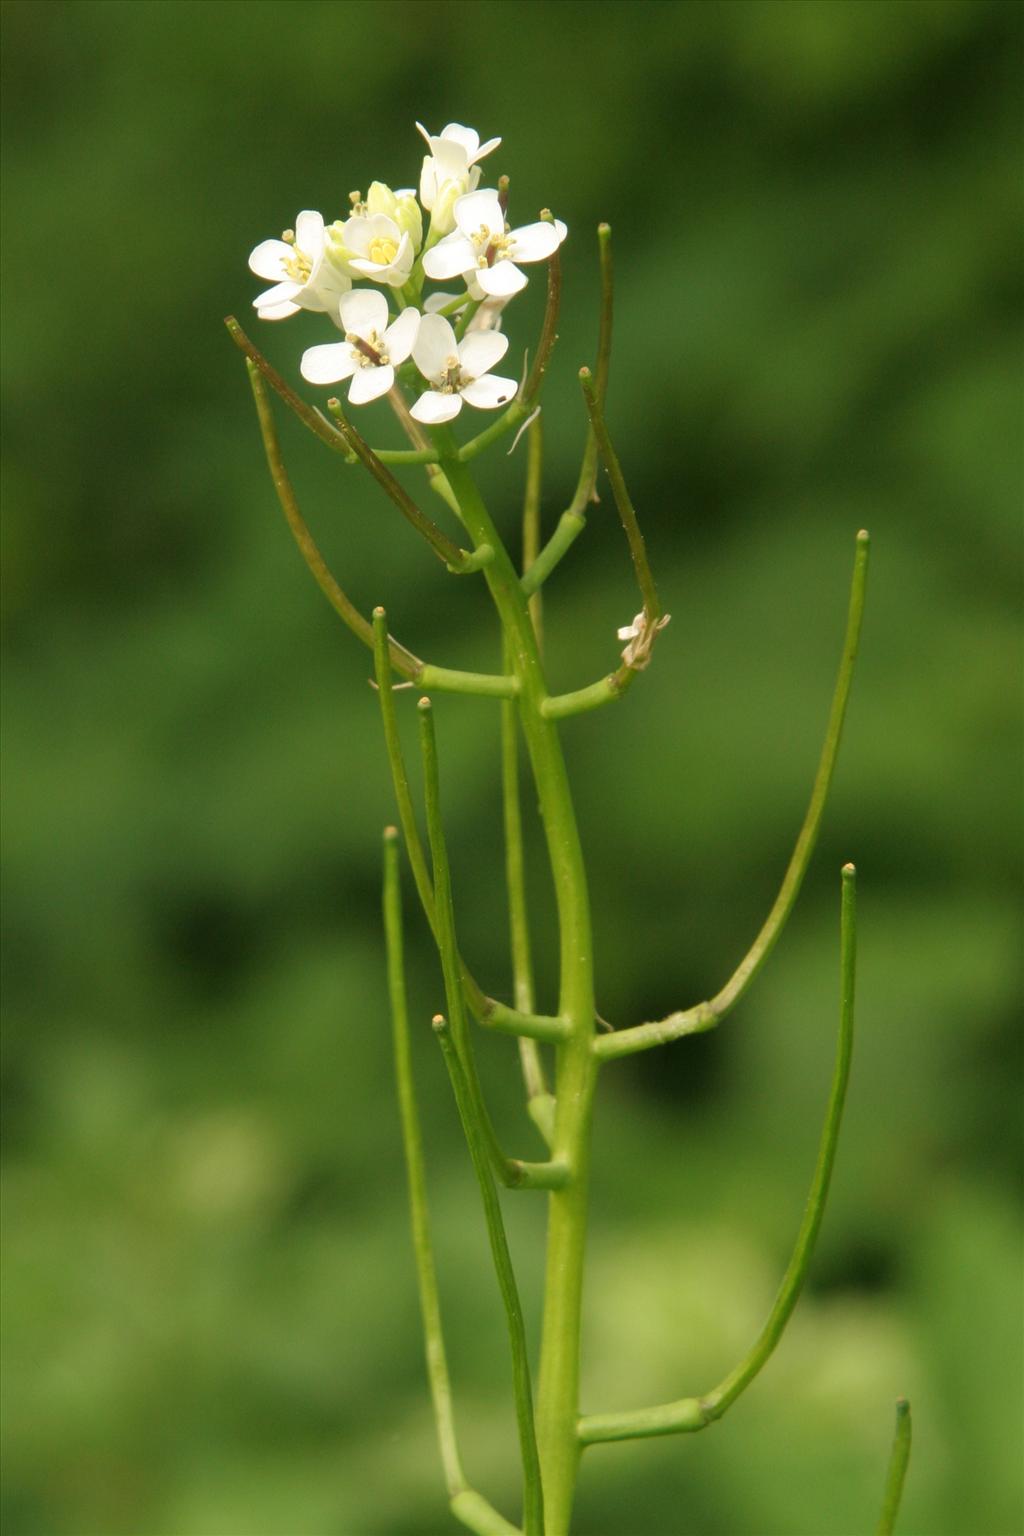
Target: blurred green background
{"type": "Point", "coordinates": [210, 1318]}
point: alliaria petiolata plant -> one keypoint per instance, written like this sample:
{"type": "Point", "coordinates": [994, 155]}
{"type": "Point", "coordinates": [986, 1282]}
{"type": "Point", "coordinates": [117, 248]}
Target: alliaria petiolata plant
{"type": "Point", "coordinates": [431, 355]}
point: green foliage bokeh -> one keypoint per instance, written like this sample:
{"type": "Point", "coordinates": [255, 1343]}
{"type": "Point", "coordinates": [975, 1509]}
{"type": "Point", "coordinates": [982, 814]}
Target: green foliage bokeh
{"type": "Point", "coordinates": [210, 1316]}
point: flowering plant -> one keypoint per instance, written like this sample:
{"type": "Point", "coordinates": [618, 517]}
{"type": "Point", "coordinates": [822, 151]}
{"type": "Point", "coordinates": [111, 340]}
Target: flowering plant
{"type": "Point", "coordinates": [429, 355]}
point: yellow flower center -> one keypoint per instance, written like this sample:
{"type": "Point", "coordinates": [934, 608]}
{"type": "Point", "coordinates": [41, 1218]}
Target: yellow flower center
{"type": "Point", "coordinates": [383, 250]}
{"type": "Point", "coordinates": [491, 248]}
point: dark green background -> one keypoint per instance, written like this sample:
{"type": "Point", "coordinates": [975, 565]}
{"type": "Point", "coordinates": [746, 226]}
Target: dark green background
{"type": "Point", "coordinates": [211, 1324]}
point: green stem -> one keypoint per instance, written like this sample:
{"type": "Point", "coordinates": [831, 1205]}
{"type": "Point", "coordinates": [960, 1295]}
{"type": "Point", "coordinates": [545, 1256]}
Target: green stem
{"type": "Point", "coordinates": [403, 455]}
{"type": "Point", "coordinates": [515, 867]}
{"type": "Point", "coordinates": [527, 1026]}
{"type": "Point", "coordinates": [412, 1141]}
{"type": "Point", "coordinates": [558, 1394]}
{"type": "Point", "coordinates": [421, 443]}
{"type": "Point", "coordinates": [513, 417]}
{"type": "Point", "coordinates": [462, 324]}
{"type": "Point", "coordinates": [643, 1036]}
{"type": "Point", "coordinates": [439, 542]}
{"type": "Point", "coordinates": [896, 1474]}
{"type": "Point", "coordinates": [466, 1504]}
{"type": "Point", "coordinates": [404, 661]}
{"type": "Point", "coordinates": [531, 518]}
{"type": "Point", "coordinates": [573, 520]}
{"type": "Point", "coordinates": [586, 486]}
{"type": "Point", "coordinates": [690, 1413]}
{"type": "Point", "coordinates": [400, 778]}
{"type": "Point", "coordinates": [445, 933]}
{"type": "Point", "coordinates": [567, 530]}
{"type": "Point", "coordinates": [607, 690]}
{"type": "Point", "coordinates": [311, 419]}
{"type": "Point", "coordinates": [548, 334]}
{"type": "Point", "coordinates": [627, 512]}
{"type": "Point", "coordinates": [486, 1009]}
{"type": "Point", "coordinates": [533, 1497]}
{"type": "Point", "coordinates": [718, 1401]}
{"type": "Point", "coordinates": [477, 1515]}
{"type": "Point", "coordinates": [486, 685]}
{"type": "Point", "coordinates": [512, 1172]}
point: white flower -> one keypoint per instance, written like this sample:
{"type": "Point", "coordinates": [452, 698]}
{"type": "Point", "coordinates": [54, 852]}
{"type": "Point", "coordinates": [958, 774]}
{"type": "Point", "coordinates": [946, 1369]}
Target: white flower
{"type": "Point", "coordinates": [457, 371]}
{"type": "Point", "coordinates": [484, 251]}
{"type": "Point", "coordinates": [369, 353]}
{"type": "Point", "coordinates": [401, 206]}
{"type": "Point", "coordinates": [374, 245]}
{"type": "Point", "coordinates": [455, 136]}
{"type": "Point", "coordinates": [300, 267]}
{"type": "Point", "coordinates": [641, 638]}
{"type": "Point", "coordinates": [450, 170]}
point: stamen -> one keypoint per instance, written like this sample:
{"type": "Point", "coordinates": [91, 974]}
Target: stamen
{"type": "Point", "coordinates": [297, 267]}
{"type": "Point", "coordinates": [382, 251]}
{"type": "Point", "coordinates": [451, 377]}
{"type": "Point", "coordinates": [370, 349]}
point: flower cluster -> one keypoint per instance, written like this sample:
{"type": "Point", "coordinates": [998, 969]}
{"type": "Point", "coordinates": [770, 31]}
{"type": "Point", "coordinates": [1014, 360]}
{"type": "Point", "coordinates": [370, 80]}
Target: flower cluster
{"type": "Point", "coordinates": [454, 229]}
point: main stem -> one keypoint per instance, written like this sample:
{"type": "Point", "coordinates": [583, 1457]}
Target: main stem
{"type": "Point", "coordinates": [558, 1389]}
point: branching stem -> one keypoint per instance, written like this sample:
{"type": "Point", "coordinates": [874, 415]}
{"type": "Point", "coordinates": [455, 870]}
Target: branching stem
{"type": "Point", "coordinates": [705, 1015]}
{"type": "Point", "coordinates": [688, 1414]}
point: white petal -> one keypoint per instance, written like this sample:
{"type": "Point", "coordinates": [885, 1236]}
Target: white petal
{"type": "Point", "coordinates": [316, 302]}
{"type": "Point", "coordinates": [450, 257]}
{"type": "Point", "coordinates": [355, 234]}
{"type": "Point", "coordinates": [371, 269]}
{"type": "Point", "coordinates": [489, 392]}
{"type": "Point", "coordinates": [278, 311]}
{"type": "Point", "coordinates": [501, 280]}
{"type": "Point", "coordinates": [480, 350]}
{"type": "Point", "coordinates": [563, 230]}
{"type": "Point", "coordinates": [381, 227]}
{"type": "Point", "coordinates": [370, 383]}
{"type": "Point", "coordinates": [485, 149]}
{"type": "Point", "coordinates": [400, 337]}
{"type": "Point", "coordinates": [433, 408]}
{"type": "Point", "coordinates": [438, 301]}
{"type": "Point", "coordinates": [364, 310]}
{"type": "Point", "coordinates": [329, 285]}
{"type": "Point", "coordinates": [428, 182]}
{"type": "Point", "coordinates": [268, 259]}
{"type": "Point", "coordinates": [480, 208]}
{"type": "Point", "coordinates": [283, 293]}
{"type": "Point", "coordinates": [488, 316]}
{"type": "Point", "coordinates": [309, 233]}
{"type": "Point", "coordinates": [327, 364]}
{"type": "Point", "coordinates": [450, 160]}
{"type": "Point", "coordinates": [534, 242]}
{"type": "Point", "coordinates": [434, 345]}
{"type": "Point", "coordinates": [467, 137]}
